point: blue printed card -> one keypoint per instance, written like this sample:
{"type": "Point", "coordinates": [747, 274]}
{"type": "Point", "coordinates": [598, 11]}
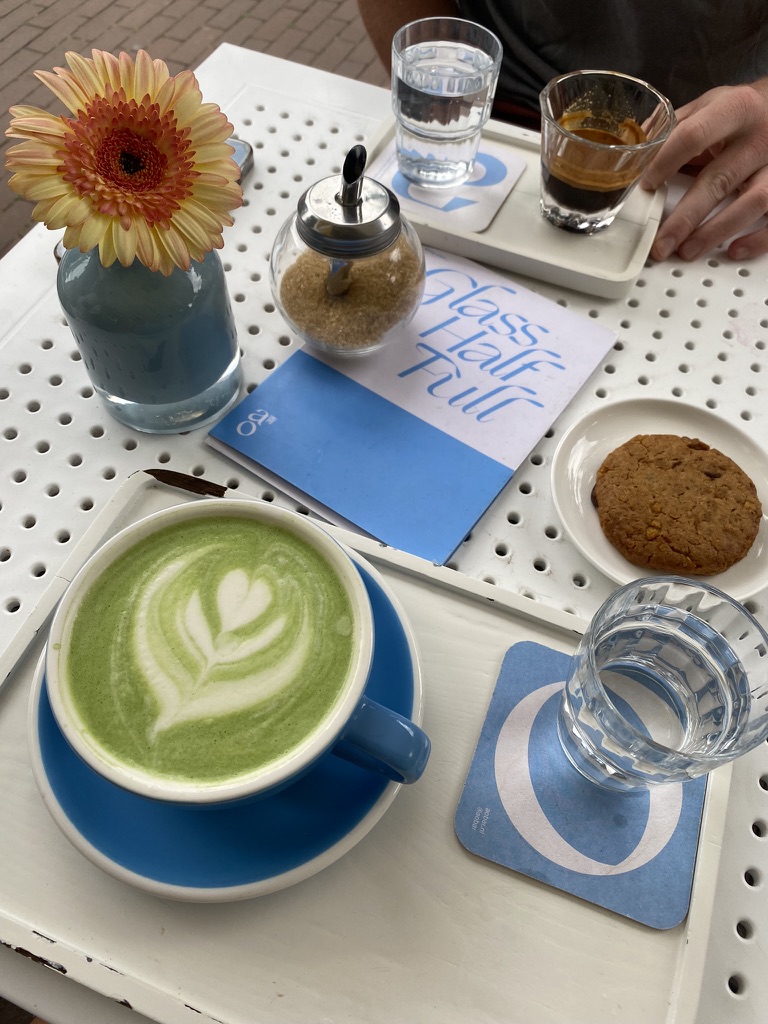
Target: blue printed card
{"type": "Point", "coordinates": [411, 443]}
{"type": "Point", "coordinates": [525, 807]}
{"type": "Point", "coordinates": [359, 459]}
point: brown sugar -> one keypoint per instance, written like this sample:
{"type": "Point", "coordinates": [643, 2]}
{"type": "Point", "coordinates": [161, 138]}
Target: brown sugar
{"type": "Point", "coordinates": [377, 294]}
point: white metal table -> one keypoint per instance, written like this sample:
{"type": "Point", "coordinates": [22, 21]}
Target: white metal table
{"type": "Point", "coordinates": [692, 332]}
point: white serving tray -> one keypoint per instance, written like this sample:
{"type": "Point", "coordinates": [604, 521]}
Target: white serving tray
{"type": "Point", "coordinates": [407, 925]}
{"type": "Point", "coordinates": [520, 240]}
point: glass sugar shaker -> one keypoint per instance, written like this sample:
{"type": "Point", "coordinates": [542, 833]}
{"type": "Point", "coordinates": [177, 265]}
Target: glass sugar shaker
{"type": "Point", "coordinates": [347, 269]}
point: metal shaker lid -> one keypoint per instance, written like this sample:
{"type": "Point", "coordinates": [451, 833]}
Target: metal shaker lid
{"type": "Point", "coordinates": [348, 217]}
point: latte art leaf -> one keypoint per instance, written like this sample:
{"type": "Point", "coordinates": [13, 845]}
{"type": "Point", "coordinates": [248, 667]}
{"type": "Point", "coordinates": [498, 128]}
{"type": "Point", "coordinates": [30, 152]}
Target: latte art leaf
{"type": "Point", "coordinates": [240, 600]}
{"type": "Point", "coordinates": [194, 628]}
{"type": "Point", "coordinates": [185, 693]}
{"type": "Point", "coordinates": [210, 648]}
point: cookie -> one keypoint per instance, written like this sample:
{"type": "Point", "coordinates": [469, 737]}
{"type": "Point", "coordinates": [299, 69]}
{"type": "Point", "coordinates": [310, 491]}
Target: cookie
{"type": "Point", "coordinates": [675, 504]}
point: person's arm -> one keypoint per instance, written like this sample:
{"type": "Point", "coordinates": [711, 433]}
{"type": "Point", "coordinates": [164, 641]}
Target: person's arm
{"type": "Point", "coordinates": [725, 131]}
{"type": "Point", "coordinates": [382, 18]}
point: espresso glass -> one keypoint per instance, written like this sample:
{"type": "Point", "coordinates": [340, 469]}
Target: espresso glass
{"type": "Point", "coordinates": [599, 131]}
{"type": "Point", "coordinates": [670, 680]}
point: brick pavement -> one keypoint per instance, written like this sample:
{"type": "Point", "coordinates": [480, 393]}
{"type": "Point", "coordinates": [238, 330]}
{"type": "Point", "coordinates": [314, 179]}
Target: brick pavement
{"type": "Point", "coordinates": [34, 34]}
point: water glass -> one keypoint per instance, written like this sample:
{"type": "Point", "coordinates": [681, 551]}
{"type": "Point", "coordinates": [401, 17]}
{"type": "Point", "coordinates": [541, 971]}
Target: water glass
{"type": "Point", "coordinates": [599, 131]}
{"type": "Point", "coordinates": [670, 680]}
{"type": "Point", "coordinates": [444, 75]}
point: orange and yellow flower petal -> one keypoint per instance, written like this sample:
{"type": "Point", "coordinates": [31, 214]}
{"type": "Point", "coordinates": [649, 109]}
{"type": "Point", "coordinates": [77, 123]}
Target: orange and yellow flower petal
{"type": "Point", "coordinates": [66, 210]}
{"type": "Point", "coordinates": [142, 170]}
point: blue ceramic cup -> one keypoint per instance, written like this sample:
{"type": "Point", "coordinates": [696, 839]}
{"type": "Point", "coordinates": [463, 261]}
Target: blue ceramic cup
{"type": "Point", "coordinates": [214, 651]}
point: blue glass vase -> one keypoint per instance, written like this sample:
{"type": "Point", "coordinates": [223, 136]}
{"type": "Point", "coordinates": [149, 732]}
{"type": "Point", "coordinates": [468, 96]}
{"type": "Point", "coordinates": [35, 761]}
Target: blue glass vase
{"type": "Point", "coordinates": [161, 352]}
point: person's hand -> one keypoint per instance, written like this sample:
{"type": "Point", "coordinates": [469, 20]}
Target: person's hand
{"type": "Point", "coordinates": [725, 131]}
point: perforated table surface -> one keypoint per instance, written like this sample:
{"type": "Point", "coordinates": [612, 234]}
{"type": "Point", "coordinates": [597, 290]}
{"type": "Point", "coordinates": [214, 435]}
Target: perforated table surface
{"type": "Point", "coordinates": [693, 333]}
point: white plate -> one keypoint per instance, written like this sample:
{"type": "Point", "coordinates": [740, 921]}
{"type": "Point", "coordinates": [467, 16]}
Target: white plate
{"type": "Point", "coordinates": [585, 445]}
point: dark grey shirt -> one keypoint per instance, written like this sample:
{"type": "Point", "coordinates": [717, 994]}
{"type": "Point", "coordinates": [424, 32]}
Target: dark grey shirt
{"type": "Point", "coordinates": [683, 47]}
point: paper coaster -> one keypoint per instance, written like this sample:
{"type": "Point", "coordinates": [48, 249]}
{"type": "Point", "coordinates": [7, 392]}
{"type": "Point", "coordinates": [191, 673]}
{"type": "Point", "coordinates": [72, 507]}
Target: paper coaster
{"type": "Point", "coordinates": [525, 807]}
{"type": "Point", "coordinates": [468, 207]}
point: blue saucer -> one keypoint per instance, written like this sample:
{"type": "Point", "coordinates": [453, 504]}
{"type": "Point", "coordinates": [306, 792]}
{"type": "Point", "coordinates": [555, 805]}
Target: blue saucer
{"type": "Point", "coordinates": [246, 849]}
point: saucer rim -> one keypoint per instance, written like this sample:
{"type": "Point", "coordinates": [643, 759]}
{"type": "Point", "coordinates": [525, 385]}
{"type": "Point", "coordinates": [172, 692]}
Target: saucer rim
{"type": "Point", "coordinates": [247, 890]}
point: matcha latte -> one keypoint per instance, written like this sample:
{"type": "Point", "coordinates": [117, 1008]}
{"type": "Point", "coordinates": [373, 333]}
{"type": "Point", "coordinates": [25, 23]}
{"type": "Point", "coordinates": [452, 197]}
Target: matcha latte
{"type": "Point", "coordinates": [209, 650]}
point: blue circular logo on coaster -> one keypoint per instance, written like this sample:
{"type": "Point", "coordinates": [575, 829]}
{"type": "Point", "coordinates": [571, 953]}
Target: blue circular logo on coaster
{"type": "Point", "coordinates": [526, 807]}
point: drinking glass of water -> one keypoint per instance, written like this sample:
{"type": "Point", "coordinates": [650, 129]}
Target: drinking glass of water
{"type": "Point", "coordinates": [670, 680]}
{"type": "Point", "coordinates": [444, 75]}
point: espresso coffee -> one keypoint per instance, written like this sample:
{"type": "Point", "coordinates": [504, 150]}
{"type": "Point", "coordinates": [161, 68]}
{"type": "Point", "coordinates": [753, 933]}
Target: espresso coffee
{"type": "Point", "coordinates": [211, 648]}
{"type": "Point", "coordinates": [604, 128]}
{"type": "Point", "coordinates": [587, 178]}
{"type": "Point", "coordinates": [599, 131]}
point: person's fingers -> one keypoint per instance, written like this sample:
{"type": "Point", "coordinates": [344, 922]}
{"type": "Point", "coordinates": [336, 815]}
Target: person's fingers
{"type": "Point", "coordinates": [726, 113]}
{"type": "Point", "coordinates": [747, 247]}
{"type": "Point", "coordinates": [737, 216]}
{"type": "Point", "coordinates": [685, 144]}
{"type": "Point", "coordinates": [690, 229]}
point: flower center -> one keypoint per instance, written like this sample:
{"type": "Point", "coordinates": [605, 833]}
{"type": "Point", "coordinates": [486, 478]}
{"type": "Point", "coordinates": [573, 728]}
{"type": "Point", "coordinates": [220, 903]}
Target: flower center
{"type": "Point", "coordinates": [130, 161]}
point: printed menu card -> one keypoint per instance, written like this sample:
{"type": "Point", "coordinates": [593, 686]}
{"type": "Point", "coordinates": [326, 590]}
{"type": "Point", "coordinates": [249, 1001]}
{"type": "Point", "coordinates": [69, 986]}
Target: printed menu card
{"type": "Point", "coordinates": [411, 443]}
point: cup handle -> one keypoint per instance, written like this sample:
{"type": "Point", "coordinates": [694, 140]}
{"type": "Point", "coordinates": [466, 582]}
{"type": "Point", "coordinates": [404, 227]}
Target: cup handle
{"type": "Point", "coordinates": [383, 741]}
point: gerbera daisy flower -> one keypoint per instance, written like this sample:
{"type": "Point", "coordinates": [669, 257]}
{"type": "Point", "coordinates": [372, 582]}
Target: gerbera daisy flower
{"type": "Point", "coordinates": [142, 169]}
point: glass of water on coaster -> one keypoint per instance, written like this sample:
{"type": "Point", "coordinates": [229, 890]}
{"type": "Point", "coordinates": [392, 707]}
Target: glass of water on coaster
{"type": "Point", "coordinates": [444, 75]}
{"type": "Point", "coordinates": [669, 681]}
